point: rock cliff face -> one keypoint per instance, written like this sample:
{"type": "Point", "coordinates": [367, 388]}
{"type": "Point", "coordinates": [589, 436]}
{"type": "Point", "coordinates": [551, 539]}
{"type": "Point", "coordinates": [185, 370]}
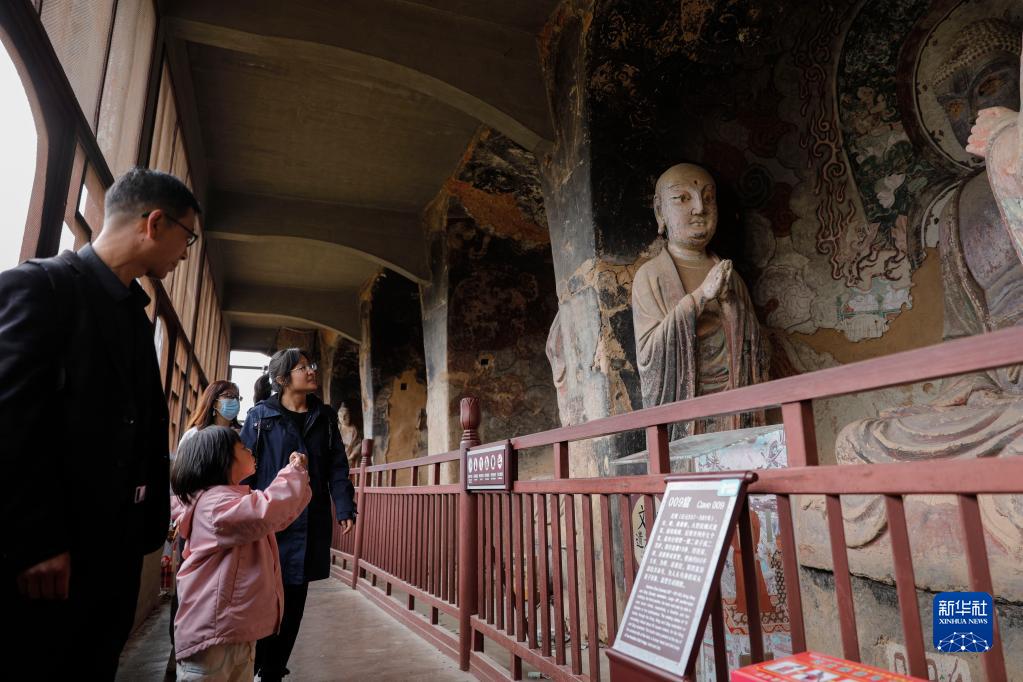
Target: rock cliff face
{"type": "Point", "coordinates": [833, 166]}
{"type": "Point", "coordinates": [393, 368]}
{"type": "Point", "coordinates": [491, 299]}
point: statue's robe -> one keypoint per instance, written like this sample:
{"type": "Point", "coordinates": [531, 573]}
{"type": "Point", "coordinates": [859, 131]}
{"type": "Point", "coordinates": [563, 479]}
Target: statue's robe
{"type": "Point", "coordinates": [352, 440]}
{"type": "Point", "coordinates": [975, 415]}
{"type": "Point", "coordinates": [1005, 172]}
{"type": "Point", "coordinates": [674, 364]}
{"type": "Point", "coordinates": [682, 355]}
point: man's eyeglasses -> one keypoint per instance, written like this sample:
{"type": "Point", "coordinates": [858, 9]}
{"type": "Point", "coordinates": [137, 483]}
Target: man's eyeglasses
{"type": "Point", "coordinates": [192, 236]}
{"type": "Point", "coordinates": [311, 367]}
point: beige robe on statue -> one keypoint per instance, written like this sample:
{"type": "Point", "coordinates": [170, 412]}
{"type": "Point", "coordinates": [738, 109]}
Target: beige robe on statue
{"type": "Point", "coordinates": [1005, 172]}
{"type": "Point", "coordinates": [665, 326]}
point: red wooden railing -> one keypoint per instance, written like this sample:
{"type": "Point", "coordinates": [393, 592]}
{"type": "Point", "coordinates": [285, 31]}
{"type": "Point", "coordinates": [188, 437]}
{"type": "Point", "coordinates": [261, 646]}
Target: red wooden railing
{"type": "Point", "coordinates": [489, 567]}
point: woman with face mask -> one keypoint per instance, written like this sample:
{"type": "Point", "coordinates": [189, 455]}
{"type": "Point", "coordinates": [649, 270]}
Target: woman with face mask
{"type": "Point", "coordinates": [219, 406]}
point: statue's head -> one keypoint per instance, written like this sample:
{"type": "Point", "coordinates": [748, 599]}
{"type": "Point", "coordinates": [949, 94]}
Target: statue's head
{"type": "Point", "coordinates": [981, 70]}
{"type": "Point", "coordinates": [343, 415]}
{"type": "Point", "coordinates": [685, 205]}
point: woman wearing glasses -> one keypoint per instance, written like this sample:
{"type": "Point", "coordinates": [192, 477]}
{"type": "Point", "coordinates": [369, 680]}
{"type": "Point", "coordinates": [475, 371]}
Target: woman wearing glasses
{"type": "Point", "coordinates": [219, 406]}
{"type": "Point", "coordinates": [295, 420]}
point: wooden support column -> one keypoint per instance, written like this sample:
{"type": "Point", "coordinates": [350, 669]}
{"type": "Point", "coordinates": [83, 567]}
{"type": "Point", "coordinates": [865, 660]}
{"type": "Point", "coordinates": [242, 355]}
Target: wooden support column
{"type": "Point", "coordinates": [360, 518]}
{"type": "Point", "coordinates": [467, 531]}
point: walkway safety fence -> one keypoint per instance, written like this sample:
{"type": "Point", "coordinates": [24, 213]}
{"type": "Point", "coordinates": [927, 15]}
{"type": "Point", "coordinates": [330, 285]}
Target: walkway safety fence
{"type": "Point", "coordinates": [533, 571]}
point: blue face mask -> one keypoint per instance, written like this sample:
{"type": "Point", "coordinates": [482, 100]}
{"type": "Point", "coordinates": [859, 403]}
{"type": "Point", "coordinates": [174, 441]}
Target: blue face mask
{"type": "Point", "coordinates": [229, 407]}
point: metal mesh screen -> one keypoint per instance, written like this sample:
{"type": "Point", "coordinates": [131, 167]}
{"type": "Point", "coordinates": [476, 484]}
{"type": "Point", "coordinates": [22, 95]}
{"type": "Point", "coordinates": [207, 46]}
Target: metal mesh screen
{"type": "Point", "coordinates": [124, 93]}
{"type": "Point", "coordinates": [203, 331]}
{"type": "Point", "coordinates": [224, 352]}
{"type": "Point", "coordinates": [165, 126]}
{"type": "Point", "coordinates": [79, 31]}
{"type": "Point", "coordinates": [179, 167]}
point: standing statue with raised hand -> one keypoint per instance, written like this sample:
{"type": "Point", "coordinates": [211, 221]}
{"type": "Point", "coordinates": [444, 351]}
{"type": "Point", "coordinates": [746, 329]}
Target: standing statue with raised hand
{"type": "Point", "coordinates": [350, 436]}
{"type": "Point", "coordinates": [696, 330]}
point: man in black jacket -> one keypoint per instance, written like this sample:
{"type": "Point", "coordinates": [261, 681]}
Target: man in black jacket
{"type": "Point", "coordinates": [84, 430]}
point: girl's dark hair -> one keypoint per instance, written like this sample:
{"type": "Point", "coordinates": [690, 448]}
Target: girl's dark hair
{"type": "Point", "coordinates": [261, 391]}
{"type": "Point", "coordinates": [281, 364]}
{"type": "Point", "coordinates": [203, 461]}
{"type": "Point", "coordinates": [203, 415]}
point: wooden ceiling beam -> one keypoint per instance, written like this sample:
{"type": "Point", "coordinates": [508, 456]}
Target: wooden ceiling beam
{"type": "Point", "coordinates": [264, 306]}
{"type": "Point", "coordinates": [489, 72]}
{"type": "Point", "coordinates": [392, 239]}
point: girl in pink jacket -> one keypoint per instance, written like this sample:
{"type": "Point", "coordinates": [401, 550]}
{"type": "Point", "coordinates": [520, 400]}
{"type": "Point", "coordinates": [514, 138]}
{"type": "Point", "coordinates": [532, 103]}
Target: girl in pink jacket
{"type": "Point", "coordinates": [229, 584]}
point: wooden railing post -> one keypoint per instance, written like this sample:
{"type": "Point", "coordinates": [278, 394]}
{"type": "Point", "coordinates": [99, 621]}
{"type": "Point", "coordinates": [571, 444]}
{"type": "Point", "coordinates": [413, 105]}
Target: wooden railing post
{"type": "Point", "coordinates": [800, 433]}
{"type": "Point", "coordinates": [360, 517]}
{"type": "Point", "coordinates": [658, 458]}
{"type": "Point", "coordinates": [801, 450]}
{"type": "Point", "coordinates": [414, 564]}
{"type": "Point", "coordinates": [467, 530]}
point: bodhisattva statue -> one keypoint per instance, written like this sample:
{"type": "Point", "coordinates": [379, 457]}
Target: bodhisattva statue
{"type": "Point", "coordinates": [350, 436]}
{"type": "Point", "coordinates": [998, 138]}
{"type": "Point", "coordinates": [977, 415]}
{"type": "Point", "coordinates": [696, 331]}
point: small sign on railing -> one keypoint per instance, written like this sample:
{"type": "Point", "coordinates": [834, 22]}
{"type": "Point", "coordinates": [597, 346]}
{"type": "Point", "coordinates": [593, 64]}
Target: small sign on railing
{"type": "Point", "coordinates": [667, 610]}
{"type": "Point", "coordinates": [489, 467]}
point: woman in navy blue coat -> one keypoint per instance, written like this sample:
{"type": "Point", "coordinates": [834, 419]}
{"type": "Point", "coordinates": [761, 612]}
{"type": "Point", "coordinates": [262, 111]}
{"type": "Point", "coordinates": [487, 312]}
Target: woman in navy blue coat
{"type": "Point", "coordinates": [295, 420]}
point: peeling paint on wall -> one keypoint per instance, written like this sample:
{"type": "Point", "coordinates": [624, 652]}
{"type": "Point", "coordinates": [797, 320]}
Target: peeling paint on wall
{"type": "Point", "coordinates": [491, 298]}
{"type": "Point", "coordinates": [393, 368]}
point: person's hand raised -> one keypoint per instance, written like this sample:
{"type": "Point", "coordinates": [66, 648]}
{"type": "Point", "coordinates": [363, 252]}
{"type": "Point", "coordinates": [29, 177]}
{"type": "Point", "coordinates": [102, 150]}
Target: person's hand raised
{"type": "Point", "coordinates": [989, 123]}
{"type": "Point", "coordinates": [299, 461]}
{"type": "Point", "coordinates": [715, 284]}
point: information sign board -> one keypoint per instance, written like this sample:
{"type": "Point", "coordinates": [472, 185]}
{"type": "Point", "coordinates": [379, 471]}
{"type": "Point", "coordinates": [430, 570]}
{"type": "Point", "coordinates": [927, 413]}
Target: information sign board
{"type": "Point", "coordinates": [666, 612]}
{"type": "Point", "coordinates": [489, 467]}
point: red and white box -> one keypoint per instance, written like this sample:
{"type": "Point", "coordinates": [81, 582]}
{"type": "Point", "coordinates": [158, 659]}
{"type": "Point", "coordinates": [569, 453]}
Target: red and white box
{"type": "Point", "coordinates": [810, 666]}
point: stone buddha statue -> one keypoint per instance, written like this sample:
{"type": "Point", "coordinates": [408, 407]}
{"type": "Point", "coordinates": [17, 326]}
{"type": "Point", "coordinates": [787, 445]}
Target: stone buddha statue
{"type": "Point", "coordinates": [998, 138]}
{"type": "Point", "coordinates": [350, 436]}
{"type": "Point", "coordinates": [977, 415]}
{"type": "Point", "coordinates": [696, 330]}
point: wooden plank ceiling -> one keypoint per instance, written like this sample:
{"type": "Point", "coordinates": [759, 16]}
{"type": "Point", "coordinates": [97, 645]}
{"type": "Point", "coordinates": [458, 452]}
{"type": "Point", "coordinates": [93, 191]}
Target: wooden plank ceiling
{"type": "Point", "coordinates": [326, 126]}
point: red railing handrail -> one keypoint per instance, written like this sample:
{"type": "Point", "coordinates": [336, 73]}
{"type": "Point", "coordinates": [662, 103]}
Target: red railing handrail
{"type": "Point", "coordinates": [432, 489]}
{"type": "Point", "coordinates": [989, 476]}
{"type": "Point", "coordinates": [946, 359]}
{"type": "Point", "coordinates": [418, 461]}
{"type": "Point", "coordinates": [949, 358]}
{"type": "Point", "coordinates": [995, 476]}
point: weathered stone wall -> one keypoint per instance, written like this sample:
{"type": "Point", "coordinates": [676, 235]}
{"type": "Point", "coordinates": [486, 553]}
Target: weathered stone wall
{"type": "Point", "coordinates": [590, 345]}
{"type": "Point", "coordinates": [491, 299]}
{"type": "Point", "coordinates": [879, 628]}
{"type": "Point", "coordinates": [833, 161]}
{"type": "Point", "coordinates": [345, 383]}
{"type": "Point", "coordinates": [393, 368]}
{"type": "Point", "coordinates": [832, 168]}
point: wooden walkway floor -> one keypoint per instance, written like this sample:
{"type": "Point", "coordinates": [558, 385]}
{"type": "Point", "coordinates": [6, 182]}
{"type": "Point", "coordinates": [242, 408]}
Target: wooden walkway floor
{"type": "Point", "coordinates": [344, 636]}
